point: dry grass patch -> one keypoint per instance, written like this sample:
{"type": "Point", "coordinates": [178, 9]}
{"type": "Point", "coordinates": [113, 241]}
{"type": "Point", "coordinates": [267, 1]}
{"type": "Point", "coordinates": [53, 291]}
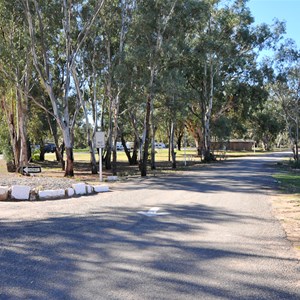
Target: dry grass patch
{"type": "Point", "coordinates": [287, 204]}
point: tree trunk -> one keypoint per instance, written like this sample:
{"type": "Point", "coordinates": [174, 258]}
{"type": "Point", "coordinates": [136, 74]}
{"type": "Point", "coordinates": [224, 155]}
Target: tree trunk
{"type": "Point", "coordinates": [22, 91]}
{"type": "Point", "coordinates": [87, 123]}
{"type": "Point", "coordinates": [207, 111]}
{"type": "Point", "coordinates": [107, 158]}
{"type": "Point", "coordinates": [173, 154]}
{"type": "Point", "coordinates": [169, 140]}
{"type": "Point", "coordinates": [144, 160]}
{"type": "Point", "coordinates": [22, 132]}
{"type": "Point", "coordinates": [115, 132]}
{"type": "Point", "coordinates": [126, 150]}
{"type": "Point", "coordinates": [133, 159]}
{"type": "Point", "coordinates": [9, 113]}
{"type": "Point", "coordinates": [297, 138]}
{"type": "Point", "coordinates": [92, 158]}
{"type": "Point", "coordinates": [114, 160]}
{"type": "Point", "coordinates": [153, 165]}
{"type": "Point", "coordinates": [42, 153]}
{"type": "Point", "coordinates": [197, 133]}
{"type": "Point", "coordinates": [134, 156]}
{"type": "Point", "coordinates": [68, 144]}
{"type": "Point", "coordinates": [58, 153]}
{"type": "Point", "coordinates": [179, 142]}
{"type": "Point", "coordinates": [69, 172]}
{"type": "Point", "coordinates": [43, 61]}
{"type": "Point", "coordinates": [206, 141]}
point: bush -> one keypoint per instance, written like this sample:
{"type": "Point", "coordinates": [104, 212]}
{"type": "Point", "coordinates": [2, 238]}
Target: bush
{"type": "Point", "coordinates": [35, 155]}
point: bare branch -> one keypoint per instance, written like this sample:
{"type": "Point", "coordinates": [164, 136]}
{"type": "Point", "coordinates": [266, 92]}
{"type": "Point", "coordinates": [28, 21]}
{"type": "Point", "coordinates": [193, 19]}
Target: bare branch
{"type": "Point", "coordinates": [86, 29]}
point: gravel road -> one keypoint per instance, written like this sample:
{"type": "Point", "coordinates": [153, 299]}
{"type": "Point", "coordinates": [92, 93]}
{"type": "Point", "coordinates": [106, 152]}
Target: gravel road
{"type": "Point", "coordinates": [200, 234]}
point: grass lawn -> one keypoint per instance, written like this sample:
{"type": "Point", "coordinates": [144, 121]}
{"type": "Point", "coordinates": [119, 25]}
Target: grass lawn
{"type": "Point", "coordinates": [289, 181]}
{"type": "Point", "coordinates": [184, 158]}
{"type": "Point", "coordinates": [160, 155]}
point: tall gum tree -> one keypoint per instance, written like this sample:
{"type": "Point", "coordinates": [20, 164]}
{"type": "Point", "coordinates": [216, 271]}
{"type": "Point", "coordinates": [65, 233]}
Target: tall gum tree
{"type": "Point", "coordinates": [285, 90]}
{"type": "Point", "coordinates": [116, 20]}
{"type": "Point", "coordinates": [68, 34]}
{"type": "Point", "coordinates": [16, 79]}
{"type": "Point", "coordinates": [151, 21]}
{"type": "Point", "coordinates": [221, 50]}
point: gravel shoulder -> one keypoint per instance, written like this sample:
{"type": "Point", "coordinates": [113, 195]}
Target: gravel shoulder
{"type": "Point", "coordinates": [37, 182]}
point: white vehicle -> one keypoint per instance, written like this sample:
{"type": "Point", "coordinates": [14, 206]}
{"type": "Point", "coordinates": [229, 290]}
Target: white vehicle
{"type": "Point", "coordinates": [119, 146]}
{"type": "Point", "coordinates": [160, 146]}
{"type": "Point", "coordinates": [130, 145]}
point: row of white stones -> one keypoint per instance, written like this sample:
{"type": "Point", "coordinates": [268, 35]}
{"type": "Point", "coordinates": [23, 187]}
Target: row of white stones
{"type": "Point", "coordinates": [24, 192]}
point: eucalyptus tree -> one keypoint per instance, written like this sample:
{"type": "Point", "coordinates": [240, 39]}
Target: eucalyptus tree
{"type": "Point", "coordinates": [57, 34]}
{"type": "Point", "coordinates": [116, 21]}
{"type": "Point", "coordinates": [267, 125]}
{"type": "Point", "coordinates": [151, 30]}
{"type": "Point", "coordinates": [285, 90]}
{"type": "Point", "coordinates": [221, 61]}
{"type": "Point", "coordinates": [89, 83]}
{"type": "Point", "coordinates": [16, 78]}
{"type": "Point", "coordinates": [173, 105]}
{"type": "Point", "coordinates": [79, 83]}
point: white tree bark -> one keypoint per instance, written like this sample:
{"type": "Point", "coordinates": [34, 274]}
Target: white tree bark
{"type": "Point", "coordinates": [42, 65]}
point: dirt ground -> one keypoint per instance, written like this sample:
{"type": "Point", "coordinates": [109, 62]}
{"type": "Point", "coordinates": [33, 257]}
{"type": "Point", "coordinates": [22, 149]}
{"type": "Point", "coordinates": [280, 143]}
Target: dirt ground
{"type": "Point", "coordinates": [286, 208]}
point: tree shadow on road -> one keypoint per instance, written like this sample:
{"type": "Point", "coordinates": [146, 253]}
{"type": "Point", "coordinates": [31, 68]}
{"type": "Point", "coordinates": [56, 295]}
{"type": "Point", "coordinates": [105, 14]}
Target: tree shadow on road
{"type": "Point", "coordinates": [250, 176]}
{"type": "Point", "coordinates": [109, 254]}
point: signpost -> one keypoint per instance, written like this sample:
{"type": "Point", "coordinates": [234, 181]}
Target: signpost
{"type": "Point", "coordinates": [100, 143]}
{"type": "Point", "coordinates": [32, 169]}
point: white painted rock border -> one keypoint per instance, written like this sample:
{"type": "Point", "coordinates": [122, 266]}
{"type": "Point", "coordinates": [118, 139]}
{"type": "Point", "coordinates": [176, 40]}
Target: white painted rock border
{"type": "Point", "coordinates": [25, 193]}
{"type": "Point", "coordinates": [20, 192]}
{"type": "Point", "coordinates": [4, 192]}
{"type": "Point", "coordinates": [79, 188]}
{"type": "Point", "coordinates": [51, 194]}
{"type": "Point", "coordinates": [100, 188]}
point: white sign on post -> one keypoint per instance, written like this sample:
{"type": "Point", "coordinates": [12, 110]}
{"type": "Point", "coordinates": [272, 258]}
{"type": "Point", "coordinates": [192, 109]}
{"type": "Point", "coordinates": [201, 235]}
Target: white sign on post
{"type": "Point", "coordinates": [100, 143]}
{"type": "Point", "coordinates": [100, 139]}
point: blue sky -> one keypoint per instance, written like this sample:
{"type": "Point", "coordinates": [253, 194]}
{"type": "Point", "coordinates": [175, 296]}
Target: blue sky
{"type": "Point", "coordinates": [264, 11]}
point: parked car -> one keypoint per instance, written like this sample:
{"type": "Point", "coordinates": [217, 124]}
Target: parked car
{"type": "Point", "coordinates": [130, 145]}
{"type": "Point", "coordinates": [119, 146]}
{"type": "Point", "coordinates": [49, 148]}
{"type": "Point", "coordinates": [160, 146]}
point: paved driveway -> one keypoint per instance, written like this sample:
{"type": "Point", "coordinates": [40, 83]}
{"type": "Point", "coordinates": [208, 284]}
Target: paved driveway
{"type": "Point", "coordinates": [202, 234]}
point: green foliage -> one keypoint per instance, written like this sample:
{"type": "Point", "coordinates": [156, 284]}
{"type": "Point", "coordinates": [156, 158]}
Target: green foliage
{"type": "Point", "coordinates": [5, 146]}
{"type": "Point", "coordinates": [199, 51]}
{"type": "Point", "coordinates": [80, 137]}
{"type": "Point", "coordinates": [267, 124]}
{"type": "Point", "coordinates": [35, 156]}
{"type": "Point", "coordinates": [285, 89]}
{"type": "Point", "coordinates": [222, 128]}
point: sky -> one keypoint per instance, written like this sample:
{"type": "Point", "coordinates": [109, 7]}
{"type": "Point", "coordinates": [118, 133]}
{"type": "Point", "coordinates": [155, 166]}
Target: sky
{"type": "Point", "coordinates": [265, 11]}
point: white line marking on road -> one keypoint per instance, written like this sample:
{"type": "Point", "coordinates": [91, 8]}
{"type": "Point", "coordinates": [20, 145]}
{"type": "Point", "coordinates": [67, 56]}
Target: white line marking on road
{"type": "Point", "coordinates": [153, 212]}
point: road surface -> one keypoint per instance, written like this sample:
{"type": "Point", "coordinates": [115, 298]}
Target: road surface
{"type": "Point", "coordinates": [200, 234]}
